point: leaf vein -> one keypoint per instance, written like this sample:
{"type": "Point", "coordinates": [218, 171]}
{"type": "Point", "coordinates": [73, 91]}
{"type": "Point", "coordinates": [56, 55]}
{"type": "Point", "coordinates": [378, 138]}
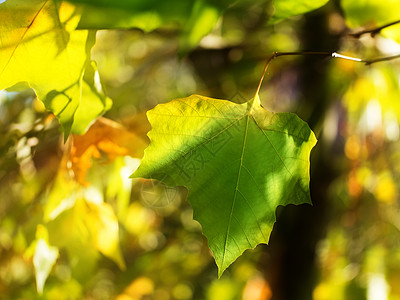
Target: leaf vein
{"type": "Point", "coordinates": [183, 102]}
{"type": "Point", "coordinates": [244, 232]}
{"type": "Point", "coordinates": [251, 208]}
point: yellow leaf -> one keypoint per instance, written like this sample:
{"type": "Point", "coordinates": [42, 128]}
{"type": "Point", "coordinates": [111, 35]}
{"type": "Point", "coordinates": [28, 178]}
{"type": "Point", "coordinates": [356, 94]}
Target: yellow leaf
{"type": "Point", "coordinates": [39, 46]}
{"type": "Point", "coordinates": [103, 225]}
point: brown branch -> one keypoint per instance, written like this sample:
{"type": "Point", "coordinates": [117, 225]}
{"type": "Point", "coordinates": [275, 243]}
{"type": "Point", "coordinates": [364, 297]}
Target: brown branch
{"type": "Point", "coordinates": [367, 62]}
{"type": "Point", "coordinates": [373, 31]}
{"type": "Point", "coordinates": [276, 54]}
{"type": "Point", "coordinates": [385, 58]}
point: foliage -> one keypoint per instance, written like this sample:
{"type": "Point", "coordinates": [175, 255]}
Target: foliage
{"type": "Point", "coordinates": [73, 225]}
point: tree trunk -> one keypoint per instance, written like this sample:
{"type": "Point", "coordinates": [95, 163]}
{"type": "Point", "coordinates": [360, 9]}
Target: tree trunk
{"type": "Point", "coordinates": [290, 260]}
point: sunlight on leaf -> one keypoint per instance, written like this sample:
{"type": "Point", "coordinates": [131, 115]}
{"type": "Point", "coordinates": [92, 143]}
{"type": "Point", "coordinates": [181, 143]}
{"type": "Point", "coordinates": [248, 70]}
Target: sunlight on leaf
{"type": "Point", "coordinates": [288, 8]}
{"type": "Point", "coordinates": [238, 161]}
{"type": "Point", "coordinates": [40, 46]}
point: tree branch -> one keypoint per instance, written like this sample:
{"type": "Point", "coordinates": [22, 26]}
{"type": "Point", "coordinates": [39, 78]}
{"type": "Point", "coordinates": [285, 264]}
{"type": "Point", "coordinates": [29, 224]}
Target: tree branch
{"type": "Point", "coordinates": [367, 62]}
{"type": "Point", "coordinates": [373, 31]}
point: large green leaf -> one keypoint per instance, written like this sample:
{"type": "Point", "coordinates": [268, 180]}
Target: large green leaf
{"type": "Point", "coordinates": [288, 8]}
{"type": "Point", "coordinates": [239, 162]}
{"type": "Point", "coordinates": [40, 46]}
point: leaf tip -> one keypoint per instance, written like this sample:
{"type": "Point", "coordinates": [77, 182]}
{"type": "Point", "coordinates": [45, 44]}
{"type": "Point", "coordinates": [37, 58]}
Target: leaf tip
{"type": "Point", "coordinates": [221, 271]}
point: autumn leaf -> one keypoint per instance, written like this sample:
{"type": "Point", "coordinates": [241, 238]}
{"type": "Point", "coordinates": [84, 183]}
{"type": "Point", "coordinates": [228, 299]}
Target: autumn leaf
{"type": "Point", "coordinates": [238, 161]}
{"type": "Point", "coordinates": [105, 137]}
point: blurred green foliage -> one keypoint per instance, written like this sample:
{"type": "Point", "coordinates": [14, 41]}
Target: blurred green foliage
{"type": "Point", "coordinates": [284, 9]}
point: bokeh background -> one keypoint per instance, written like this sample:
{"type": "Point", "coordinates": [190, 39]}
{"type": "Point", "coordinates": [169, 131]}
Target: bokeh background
{"type": "Point", "coordinates": [126, 239]}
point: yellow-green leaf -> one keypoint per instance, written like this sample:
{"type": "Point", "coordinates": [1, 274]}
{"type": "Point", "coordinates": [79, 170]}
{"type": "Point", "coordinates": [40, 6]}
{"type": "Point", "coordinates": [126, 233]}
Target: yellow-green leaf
{"type": "Point", "coordinates": [288, 8]}
{"type": "Point", "coordinates": [40, 47]}
{"type": "Point", "coordinates": [103, 225]}
{"type": "Point", "coordinates": [373, 13]}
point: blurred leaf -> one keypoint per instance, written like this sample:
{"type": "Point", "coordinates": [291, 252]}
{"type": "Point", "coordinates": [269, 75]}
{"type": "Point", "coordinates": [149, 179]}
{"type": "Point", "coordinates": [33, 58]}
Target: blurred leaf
{"type": "Point", "coordinates": [239, 162]}
{"type": "Point", "coordinates": [201, 21]}
{"type": "Point", "coordinates": [288, 8]}
{"type": "Point", "coordinates": [69, 231]}
{"type": "Point", "coordinates": [370, 12]}
{"type": "Point", "coordinates": [103, 225]}
{"type": "Point", "coordinates": [104, 136]}
{"type": "Point", "coordinates": [93, 102]}
{"type": "Point", "coordinates": [196, 17]}
{"type": "Point", "coordinates": [65, 291]}
{"type": "Point", "coordinates": [373, 13]}
{"type": "Point", "coordinates": [223, 290]}
{"type": "Point", "coordinates": [43, 260]}
{"type": "Point", "coordinates": [40, 47]}
{"type": "Point", "coordinates": [119, 185]}
{"type": "Point", "coordinates": [62, 196]}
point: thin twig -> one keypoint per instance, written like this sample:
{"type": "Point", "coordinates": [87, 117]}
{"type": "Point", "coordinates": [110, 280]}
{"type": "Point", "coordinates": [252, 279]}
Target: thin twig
{"type": "Point", "coordinates": [373, 31]}
{"type": "Point", "coordinates": [331, 54]}
{"type": "Point", "coordinates": [276, 54]}
{"type": "Point", "coordinates": [385, 58]}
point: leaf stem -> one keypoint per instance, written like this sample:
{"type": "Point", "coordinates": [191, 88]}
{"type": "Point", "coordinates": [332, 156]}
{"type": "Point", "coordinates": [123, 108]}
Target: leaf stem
{"type": "Point", "coordinates": [373, 31]}
{"type": "Point", "coordinates": [331, 54]}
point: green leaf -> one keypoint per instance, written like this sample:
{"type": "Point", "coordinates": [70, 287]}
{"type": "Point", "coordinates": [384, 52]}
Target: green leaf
{"type": "Point", "coordinates": [40, 46]}
{"type": "Point", "coordinates": [239, 162]}
{"type": "Point", "coordinates": [289, 8]}
{"type": "Point", "coordinates": [196, 18]}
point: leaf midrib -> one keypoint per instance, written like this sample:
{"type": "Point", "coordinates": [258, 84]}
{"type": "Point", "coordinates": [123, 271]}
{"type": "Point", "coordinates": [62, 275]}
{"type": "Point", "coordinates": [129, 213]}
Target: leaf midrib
{"type": "Point", "coordinates": [236, 188]}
